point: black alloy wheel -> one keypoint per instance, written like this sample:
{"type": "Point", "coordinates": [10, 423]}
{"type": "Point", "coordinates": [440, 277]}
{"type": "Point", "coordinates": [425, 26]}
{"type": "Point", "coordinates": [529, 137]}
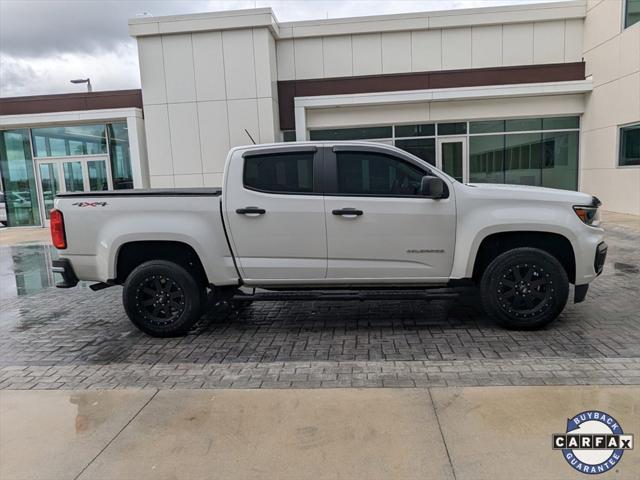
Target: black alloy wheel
{"type": "Point", "coordinates": [524, 288]}
{"type": "Point", "coordinates": [163, 299]}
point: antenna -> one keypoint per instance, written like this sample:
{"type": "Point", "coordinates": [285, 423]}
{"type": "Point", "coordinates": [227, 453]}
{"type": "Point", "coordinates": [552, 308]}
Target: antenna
{"type": "Point", "coordinates": [249, 135]}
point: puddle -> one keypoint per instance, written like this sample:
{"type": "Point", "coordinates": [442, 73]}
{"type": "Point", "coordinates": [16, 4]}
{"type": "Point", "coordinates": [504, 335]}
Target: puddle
{"type": "Point", "coordinates": [26, 269]}
{"type": "Point", "coordinates": [625, 267]}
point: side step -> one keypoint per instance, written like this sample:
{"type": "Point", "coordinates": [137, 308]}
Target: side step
{"type": "Point", "coordinates": [363, 295]}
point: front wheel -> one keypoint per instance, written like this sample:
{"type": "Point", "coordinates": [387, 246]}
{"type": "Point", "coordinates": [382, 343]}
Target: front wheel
{"type": "Point", "coordinates": [162, 298]}
{"type": "Point", "coordinates": [524, 289]}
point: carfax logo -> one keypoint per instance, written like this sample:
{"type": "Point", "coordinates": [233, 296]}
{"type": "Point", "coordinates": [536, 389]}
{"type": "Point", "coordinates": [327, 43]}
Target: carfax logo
{"type": "Point", "coordinates": [593, 443]}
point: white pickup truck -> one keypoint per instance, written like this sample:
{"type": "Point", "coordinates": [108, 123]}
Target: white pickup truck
{"type": "Point", "coordinates": [332, 221]}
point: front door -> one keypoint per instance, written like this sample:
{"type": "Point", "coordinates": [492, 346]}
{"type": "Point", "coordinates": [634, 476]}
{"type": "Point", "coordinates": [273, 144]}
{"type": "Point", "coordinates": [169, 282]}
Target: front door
{"type": "Point", "coordinates": [452, 157]}
{"type": "Point", "coordinates": [70, 175]}
{"type": "Point", "coordinates": [379, 228]}
{"type": "Point", "coordinates": [275, 213]}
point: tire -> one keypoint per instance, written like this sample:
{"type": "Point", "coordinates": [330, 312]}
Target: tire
{"type": "Point", "coordinates": [524, 289]}
{"type": "Point", "coordinates": [163, 299]}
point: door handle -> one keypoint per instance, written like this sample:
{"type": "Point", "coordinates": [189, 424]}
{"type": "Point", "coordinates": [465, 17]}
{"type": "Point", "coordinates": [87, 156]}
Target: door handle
{"type": "Point", "coordinates": [251, 211]}
{"type": "Point", "coordinates": [348, 212]}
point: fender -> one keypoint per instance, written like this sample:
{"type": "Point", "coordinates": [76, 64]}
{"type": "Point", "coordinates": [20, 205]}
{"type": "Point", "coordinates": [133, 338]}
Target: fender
{"type": "Point", "coordinates": [470, 237]}
{"type": "Point", "coordinates": [185, 228]}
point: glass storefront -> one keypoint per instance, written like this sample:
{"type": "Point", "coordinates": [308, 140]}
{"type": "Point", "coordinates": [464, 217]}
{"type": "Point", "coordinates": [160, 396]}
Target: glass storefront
{"type": "Point", "coordinates": [71, 158]}
{"type": "Point", "coordinates": [69, 141]}
{"type": "Point", "coordinates": [18, 179]}
{"type": "Point", "coordinates": [524, 151]}
{"type": "Point", "coordinates": [120, 155]}
{"type": "Point", "coordinates": [533, 151]}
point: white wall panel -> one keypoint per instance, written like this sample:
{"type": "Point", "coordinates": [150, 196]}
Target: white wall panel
{"type": "Point", "coordinates": [214, 135]}
{"type": "Point", "coordinates": [308, 57]}
{"type": "Point", "coordinates": [396, 52]}
{"type": "Point", "coordinates": [517, 44]}
{"type": "Point", "coordinates": [178, 68]}
{"type": "Point", "coordinates": [367, 54]}
{"type": "Point", "coordinates": [185, 139]}
{"type": "Point", "coordinates": [243, 114]}
{"type": "Point", "coordinates": [154, 89]}
{"type": "Point", "coordinates": [240, 75]}
{"type": "Point", "coordinates": [186, 181]}
{"type": "Point", "coordinates": [212, 179]}
{"type": "Point", "coordinates": [456, 48]}
{"type": "Point", "coordinates": [268, 129]}
{"type": "Point", "coordinates": [273, 66]}
{"type": "Point", "coordinates": [156, 123]}
{"type": "Point", "coordinates": [573, 36]}
{"type": "Point", "coordinates": [486, 46]}
{"type": "Point", "coordinates": [209, 66]}
{"type": "Point", "coordinates": [285, 58]}
{"type": "Point", "coordinates": [426, 50]}
{"type": "Point", "coordinates": [603, 22]}
{"type": "Point", "coordinates": [548, 42]}
{"type": "Point", "coordinates": [262, 62]}
{"type": "Point", "coordinates": [161, 181]}
{"type": "Point", "coordinates": [337, 56]}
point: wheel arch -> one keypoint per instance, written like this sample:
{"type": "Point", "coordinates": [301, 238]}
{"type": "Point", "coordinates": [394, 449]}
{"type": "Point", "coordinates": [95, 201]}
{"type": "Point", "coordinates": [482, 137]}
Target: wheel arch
{"type": "Point", "coordinates": [134, 253]}
{"type": "Point", "coordinates": [494, 244]}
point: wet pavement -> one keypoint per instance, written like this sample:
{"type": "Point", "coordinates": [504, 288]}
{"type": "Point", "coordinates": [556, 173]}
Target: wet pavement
{"type": "Point", "coordinates": [77, 339]}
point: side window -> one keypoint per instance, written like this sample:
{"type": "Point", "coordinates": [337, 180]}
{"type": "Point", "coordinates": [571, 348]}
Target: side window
{"type": "Point", "coordinates": [369, 173]}
{"type": "Point", "coordinates": [280, 172]}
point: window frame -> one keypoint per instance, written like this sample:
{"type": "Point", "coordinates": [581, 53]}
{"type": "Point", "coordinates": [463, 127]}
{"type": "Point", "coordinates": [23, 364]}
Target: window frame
{"type": "Point", "coordinates": [316, 168]}
{"type": "Point", "coordinates": [619, 145]}
{"type": "Point", "coordinates": [331, 171]}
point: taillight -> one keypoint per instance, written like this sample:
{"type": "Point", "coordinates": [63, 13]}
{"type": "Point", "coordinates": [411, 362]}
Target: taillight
{"type": "Point", "coordinates": [56, 222]}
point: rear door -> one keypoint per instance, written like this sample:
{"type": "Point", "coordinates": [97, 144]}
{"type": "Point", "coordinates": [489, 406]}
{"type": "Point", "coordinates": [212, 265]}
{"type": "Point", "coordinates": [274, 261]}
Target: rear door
{"type": "Point", "coordinates": [274, 210]}
{"type": "Point", "coordinates": [379, 228]}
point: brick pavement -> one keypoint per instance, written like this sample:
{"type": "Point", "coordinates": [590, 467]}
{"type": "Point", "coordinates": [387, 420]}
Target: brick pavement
{"type": "Point", "coordinates": [75, 339]}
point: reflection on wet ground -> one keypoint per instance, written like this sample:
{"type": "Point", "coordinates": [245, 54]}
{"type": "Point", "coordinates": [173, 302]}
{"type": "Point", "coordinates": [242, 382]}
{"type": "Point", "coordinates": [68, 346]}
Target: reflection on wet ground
{"type": "Point", "coordinates": [26, 269]}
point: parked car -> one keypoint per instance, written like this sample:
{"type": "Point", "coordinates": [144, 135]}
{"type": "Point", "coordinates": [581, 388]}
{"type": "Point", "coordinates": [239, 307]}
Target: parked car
{"type": "Point", "coordinates": [3, 210]}
{"type": "Point", "coordinates": [331, 221]}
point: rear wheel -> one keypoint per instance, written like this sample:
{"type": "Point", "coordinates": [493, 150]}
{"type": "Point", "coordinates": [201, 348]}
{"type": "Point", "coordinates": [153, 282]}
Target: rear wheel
{"type": "Point", "coordinates": [524, 289]}
{"type": "Point", "coordinates": [163, 299]}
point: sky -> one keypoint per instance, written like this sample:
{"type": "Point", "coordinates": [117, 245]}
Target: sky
{"type": "Point", "coordinates": [45, 43]}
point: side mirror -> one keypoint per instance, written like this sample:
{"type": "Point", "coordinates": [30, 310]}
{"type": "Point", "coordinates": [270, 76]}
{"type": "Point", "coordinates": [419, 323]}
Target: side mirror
{"type": "Point", "coordinates": [433, 187]}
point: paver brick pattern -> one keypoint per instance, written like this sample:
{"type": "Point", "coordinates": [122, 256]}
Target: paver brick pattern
{"type": "Point", "coordinates": [77, 339]}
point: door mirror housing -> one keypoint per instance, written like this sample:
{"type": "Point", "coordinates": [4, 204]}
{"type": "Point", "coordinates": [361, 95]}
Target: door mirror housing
{"type": "Point", "coordinates": [433, 187]}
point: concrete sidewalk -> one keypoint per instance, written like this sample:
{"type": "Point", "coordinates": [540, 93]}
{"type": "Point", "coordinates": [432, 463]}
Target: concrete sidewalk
{"type": "Point", "coordinates": [436, 433]}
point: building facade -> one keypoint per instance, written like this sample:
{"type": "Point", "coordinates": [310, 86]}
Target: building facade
{"type": "Point", "coordinates": [545, 94]}
{"type": "Point", "coordinates": [65, 143]}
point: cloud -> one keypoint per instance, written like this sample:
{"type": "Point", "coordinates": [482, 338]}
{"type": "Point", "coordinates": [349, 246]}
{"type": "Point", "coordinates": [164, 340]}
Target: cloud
{"type": "Point", "coordinates": [44, 43]}
{"type": "Point", "coordinates": [113, 70]}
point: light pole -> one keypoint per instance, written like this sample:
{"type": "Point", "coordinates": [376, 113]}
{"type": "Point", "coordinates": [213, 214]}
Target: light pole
{"type": "Point", "coordinates": [83, 80]}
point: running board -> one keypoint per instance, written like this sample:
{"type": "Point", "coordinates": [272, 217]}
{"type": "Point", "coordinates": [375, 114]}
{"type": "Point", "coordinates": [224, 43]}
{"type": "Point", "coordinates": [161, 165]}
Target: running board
{"type": "Point", "coordinates": [339, 296]}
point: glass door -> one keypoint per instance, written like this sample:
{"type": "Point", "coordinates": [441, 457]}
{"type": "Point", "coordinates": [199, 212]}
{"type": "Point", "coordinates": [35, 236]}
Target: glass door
{"type": "Point", "coordinates": [65, 175]}
{"type": "Point", "coordinates": [48, 176]}
{"type": "Point", "coordinates": [452, 157]}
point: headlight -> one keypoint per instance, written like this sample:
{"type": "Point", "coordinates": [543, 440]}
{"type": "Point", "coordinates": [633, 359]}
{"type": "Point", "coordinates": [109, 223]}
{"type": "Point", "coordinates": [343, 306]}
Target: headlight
{"type": "Point", "coordinates": [589, 215]}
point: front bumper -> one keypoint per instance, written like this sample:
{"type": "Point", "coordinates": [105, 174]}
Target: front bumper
{"type": "Point", "coordinates": [64, 268]}
{"type": "Point", "coordinates": [601, 255]}
{"type": "Point", "coordinates": [580, 291]}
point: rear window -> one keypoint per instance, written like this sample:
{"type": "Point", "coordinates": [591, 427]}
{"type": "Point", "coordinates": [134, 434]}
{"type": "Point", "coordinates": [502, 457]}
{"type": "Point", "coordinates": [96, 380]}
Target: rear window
{"type": "Point", "coordinates": [280, 172]}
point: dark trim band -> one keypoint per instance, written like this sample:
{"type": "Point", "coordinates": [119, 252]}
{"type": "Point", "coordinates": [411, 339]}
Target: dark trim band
{"type": "Point", "coordinates": [68, 102]}
{"type": "Point", "coordinates": [159, 192]}
{"type": "Point", "coordinates": [472, 77]}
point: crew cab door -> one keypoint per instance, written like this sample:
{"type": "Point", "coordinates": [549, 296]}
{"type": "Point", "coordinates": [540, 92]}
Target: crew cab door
{"type": "Point", "coordinates": [274, 211]}
{"type": "Point", "coordinates": [379, 227]}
